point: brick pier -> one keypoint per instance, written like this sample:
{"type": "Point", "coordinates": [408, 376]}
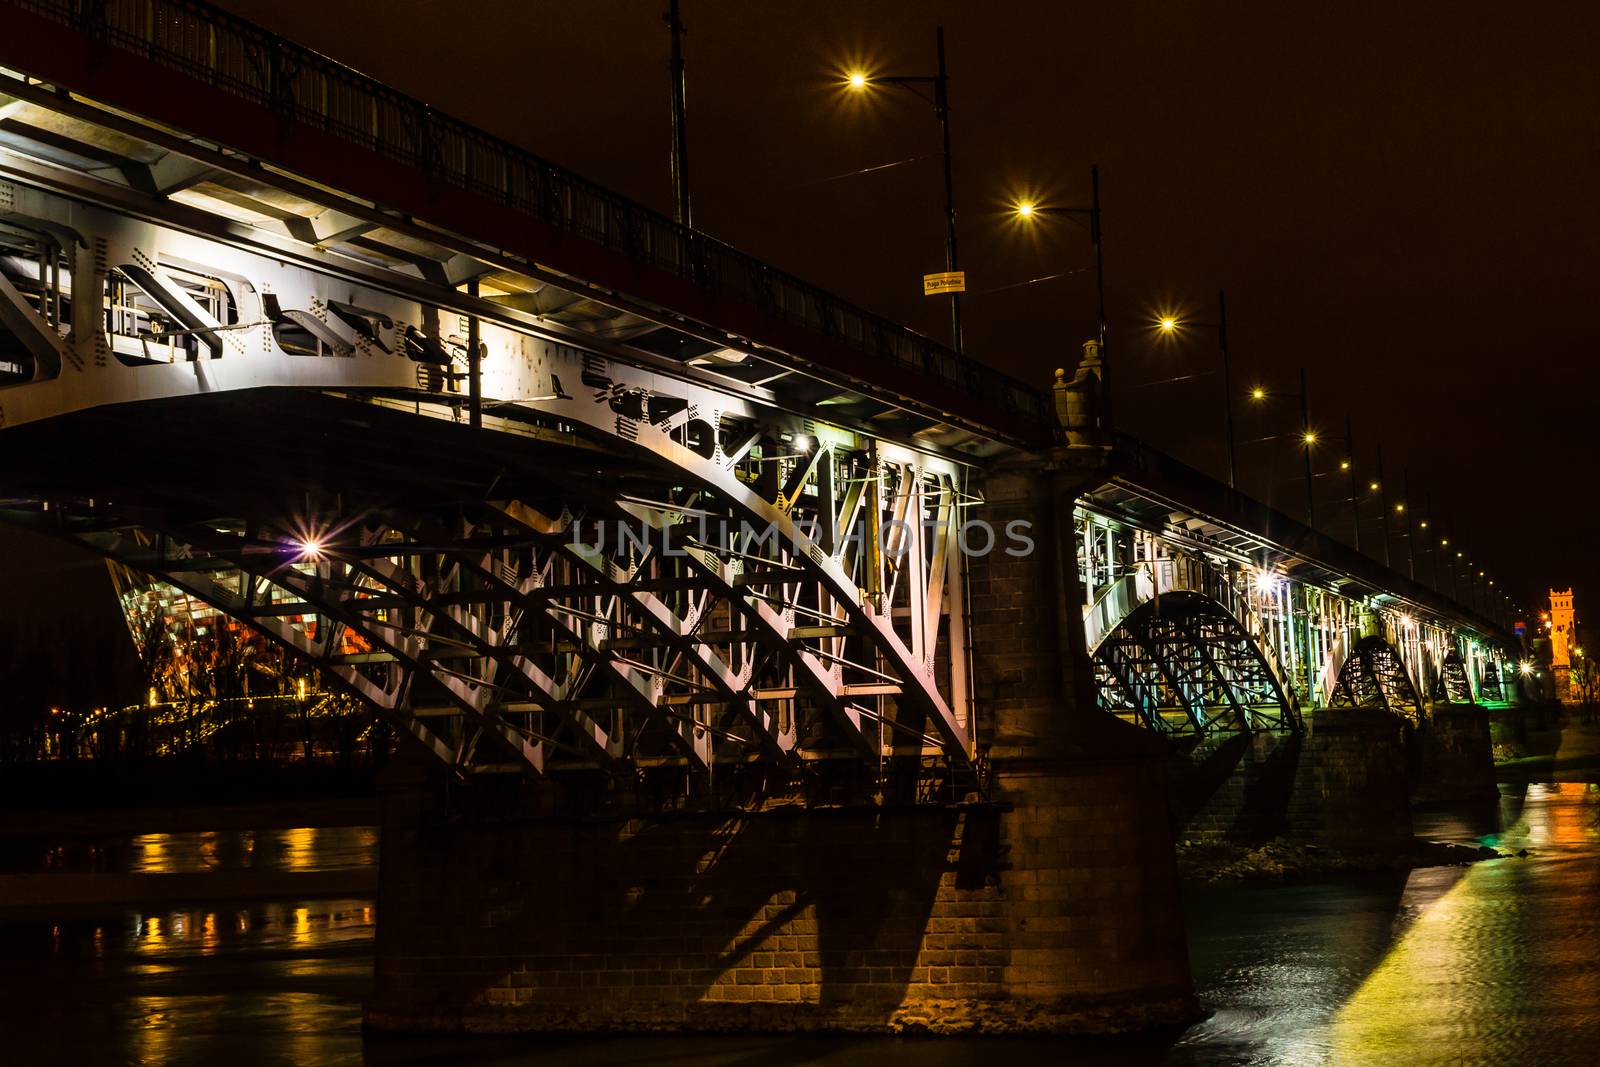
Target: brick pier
{"type": "Point", "coordinates": [1050, 905]}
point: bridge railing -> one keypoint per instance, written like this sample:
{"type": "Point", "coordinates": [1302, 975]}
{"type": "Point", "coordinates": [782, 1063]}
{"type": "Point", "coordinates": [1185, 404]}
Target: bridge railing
{"type": "Point", "coordinates": [299, 85]}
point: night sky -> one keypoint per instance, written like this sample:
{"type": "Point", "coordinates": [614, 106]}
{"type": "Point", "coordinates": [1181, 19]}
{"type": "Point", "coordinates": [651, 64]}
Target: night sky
{"type": "Point", "coordinates": [1400, 198]}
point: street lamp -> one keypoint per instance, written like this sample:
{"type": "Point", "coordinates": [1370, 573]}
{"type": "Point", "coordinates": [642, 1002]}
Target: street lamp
{"type": "Point", "coordinates": [1029, 210]}
{"type": "Point", "coordinates": [1170, 325]}
{"type": "Point", "coordinates": [860, 81]}
{"type": "Point", "coordinates": [1308, 439]}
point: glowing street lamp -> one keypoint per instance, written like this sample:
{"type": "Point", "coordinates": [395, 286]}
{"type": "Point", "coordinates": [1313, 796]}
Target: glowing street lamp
{"type": "Point", "coordinates": [1308, 438]}
{"type": "Point", "coordinates": [1170, 325]}
{"type": "Point", "coordinates": [1028, 210]}
{"type": "Point", "coordinates": [859, 81]}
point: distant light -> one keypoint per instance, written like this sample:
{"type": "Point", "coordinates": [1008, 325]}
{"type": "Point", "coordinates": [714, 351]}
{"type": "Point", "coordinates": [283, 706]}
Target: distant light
{"type": "Point", "coordinates": [1480, 574]}
{"type": "Point", "coordinates": [1526, 668]}
{"type": "Point", "coordinates": [1458, 555]}
{"type": "Point", "coordinates": [1265, 581]}
{"type": "Point", "coordinates": [1024, 209]}
{"type": "Point", "coordinates": [1167, 325]}
{"type": "Point", "coordinates": [1258, 393]}
{"type": "Point", "coordinates": [1399, 507]}
{"type": "Point", "coordinates": [1344, 464]}
{"type": "Point", "coordinates": [802, 442]}
{"type": "Point", "coordinates": [310, 547]}
{"type": "Point", "coordinates": [1309, 438]}
{"type": "Point", "coordinates": [857, 80]}
{"type": "Point", "coordinates": [1373, 486]}
{"type": "Point", "coordinates": [1424, 524]}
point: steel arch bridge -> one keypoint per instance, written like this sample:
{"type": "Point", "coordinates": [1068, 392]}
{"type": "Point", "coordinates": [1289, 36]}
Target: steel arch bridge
{"type": "Point", "coordinates": [546, 479]}
{"type": "Point", "coordinates": [673, 563]}
{"type": "Point", "coordinates": [1203, 617]}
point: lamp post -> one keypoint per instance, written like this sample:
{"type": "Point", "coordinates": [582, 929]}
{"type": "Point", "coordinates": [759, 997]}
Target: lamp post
{"type": "Point", "coordinates": [1382, 488]}
{"type": "Point", "coordinates": [1308, 438]}
{"type": "Point", "coordinates": [1171, 325]}
{"type": "Point", "coordinates": [1350, 468]}
{"type": "Point", "coordinates": [1403, 508]}
{"type": "Point", "coordinates": [859, 81]}
{"type": "Point", "coordinates": [680, 120]}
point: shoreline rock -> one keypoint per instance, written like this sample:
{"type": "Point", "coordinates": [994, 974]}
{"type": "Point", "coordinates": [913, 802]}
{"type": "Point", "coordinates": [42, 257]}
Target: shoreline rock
{"type": "Point", "coordinates": [1210, 862]}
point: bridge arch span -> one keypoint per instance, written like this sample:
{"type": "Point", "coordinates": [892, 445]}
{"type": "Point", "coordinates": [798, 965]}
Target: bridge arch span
{"type": "Point", "coordinates": [1373, 675]}
{"type": "Point", "coordinates": [1182, 663]}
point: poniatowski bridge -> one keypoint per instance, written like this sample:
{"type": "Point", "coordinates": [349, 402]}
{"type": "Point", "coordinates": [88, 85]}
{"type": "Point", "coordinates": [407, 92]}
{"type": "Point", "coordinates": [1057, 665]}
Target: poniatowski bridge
{"type": "Point", "coordinates": [765, 664]}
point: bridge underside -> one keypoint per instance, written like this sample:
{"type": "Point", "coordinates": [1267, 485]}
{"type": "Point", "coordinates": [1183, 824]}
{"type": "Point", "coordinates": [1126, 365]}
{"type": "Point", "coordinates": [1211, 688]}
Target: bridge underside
{"type": "Point", "coordinates": [532, 602]}
{"type": "Point", "coordinates": [1374, 676]}
{"type": "Point", "coordinates": [1182, 665]}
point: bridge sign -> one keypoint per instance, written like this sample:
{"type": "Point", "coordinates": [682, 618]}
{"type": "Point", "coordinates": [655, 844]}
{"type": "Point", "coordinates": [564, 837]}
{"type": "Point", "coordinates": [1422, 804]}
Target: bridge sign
{"type": "Point", "coordinates": [950, 281]}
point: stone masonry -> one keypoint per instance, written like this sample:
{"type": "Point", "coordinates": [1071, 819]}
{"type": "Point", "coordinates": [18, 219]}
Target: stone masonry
{"type": "Point", "coordinates": [1049, 905]}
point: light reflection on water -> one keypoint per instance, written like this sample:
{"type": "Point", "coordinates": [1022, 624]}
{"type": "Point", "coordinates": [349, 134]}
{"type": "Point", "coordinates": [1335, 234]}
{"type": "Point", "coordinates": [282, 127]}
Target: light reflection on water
{"type": "Point", "coordinates": [300, 849]}
{"type": "Point", "coordinates": [1498, 962]}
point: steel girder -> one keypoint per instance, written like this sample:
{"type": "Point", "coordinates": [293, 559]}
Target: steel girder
{"type": "Point", "coordinates": [1489, 688]}
{"type": "Point", "coordinates": [822, 614]}
{"type": "Point", "coordinates": [1453, 679]}
{"type": "Point", "coordinates": [1374, 676]}
{"type": "Point", "coordinates": [1182, 664]}
{"type": "Point", "coordinates": [504, 637]}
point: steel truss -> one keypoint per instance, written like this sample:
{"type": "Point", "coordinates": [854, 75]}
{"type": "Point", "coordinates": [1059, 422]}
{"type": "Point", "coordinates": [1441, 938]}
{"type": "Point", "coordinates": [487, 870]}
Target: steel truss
{"type": "Point", "coordinates": [766, 600]}
{"type": "Point", "coordinates": [1489, 688]}
{"type": "Point", "coordinates": [1452, 684]}
{"type": "Point", "coordinates": [1373, 676]}
{"type": "Point", "coordinates": [1182, 664]}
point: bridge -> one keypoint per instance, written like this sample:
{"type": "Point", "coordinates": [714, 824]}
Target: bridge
{"type": "Point", "coordinates": [623, 525]}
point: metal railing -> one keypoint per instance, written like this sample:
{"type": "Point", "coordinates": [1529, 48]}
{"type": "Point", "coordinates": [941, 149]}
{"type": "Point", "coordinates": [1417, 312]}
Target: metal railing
{"type": "Point", "coordinates": [301, 86]}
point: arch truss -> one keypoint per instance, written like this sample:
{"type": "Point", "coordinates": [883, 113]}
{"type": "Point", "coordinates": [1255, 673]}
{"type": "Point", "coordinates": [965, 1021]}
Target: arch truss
{"type": "Point", "coordinates": [1452, 684]}
{"type": "Point", "coordinates": [1182, 664]}
{"type": "Point", "coordinates": [1374, 676]}
{"type": "Point", "coordinates": [701, 590]}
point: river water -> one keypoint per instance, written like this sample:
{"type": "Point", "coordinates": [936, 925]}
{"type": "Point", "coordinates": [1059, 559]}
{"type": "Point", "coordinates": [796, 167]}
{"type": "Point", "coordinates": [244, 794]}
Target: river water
{"type": "Point", "coordinates": [1494, 963]}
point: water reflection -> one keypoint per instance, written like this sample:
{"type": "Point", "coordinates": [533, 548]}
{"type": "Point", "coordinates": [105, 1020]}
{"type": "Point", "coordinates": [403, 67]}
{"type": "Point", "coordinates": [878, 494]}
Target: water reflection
{"type": "Point", "coordinates": [299, 849]}
{"type": "Point", "coordinates": [1498, 962]}
{"type": "Point", "coordinates": [269, 981]}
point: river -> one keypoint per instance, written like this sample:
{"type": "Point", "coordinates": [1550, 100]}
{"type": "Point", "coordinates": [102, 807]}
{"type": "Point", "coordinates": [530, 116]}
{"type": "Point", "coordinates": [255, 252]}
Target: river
{"type": "Point", "coordinates": [1498, 962]}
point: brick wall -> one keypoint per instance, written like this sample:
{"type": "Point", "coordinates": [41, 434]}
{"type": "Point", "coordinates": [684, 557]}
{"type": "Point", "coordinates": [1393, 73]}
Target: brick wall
{"type": "Point", "coordinates": [1045, 915]}
{"type": "Point", "coordinates": [1051, 907]}
{"type": "Point", "coordinates": [1452, 757]}
{"type": "Point", "coordinates": [1350, 788]}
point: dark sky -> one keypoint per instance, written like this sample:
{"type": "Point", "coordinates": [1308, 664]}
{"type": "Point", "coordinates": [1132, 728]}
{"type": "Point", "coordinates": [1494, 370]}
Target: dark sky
{"type": "Point", "coordinates": [1398, 197]}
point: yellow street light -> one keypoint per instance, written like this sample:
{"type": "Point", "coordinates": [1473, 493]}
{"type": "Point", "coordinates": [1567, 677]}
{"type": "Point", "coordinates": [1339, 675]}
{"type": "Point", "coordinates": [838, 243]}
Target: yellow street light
{"type": "Point", "coordinates": [1423, 526]}
{"type": "Point", "coordinates": [1024, 209]}
{"type": "Point", "coordinates": [1399, 507]}
{"type": "Point", "coordinates": [1344, 464]}
{"type": "Point", "coordinates": [1373, 486]}
{"type": "Point", "coordinates": [1167, 324]}
{"type": "Point", "coordinates": [1258, 393]}
{"type": "Point", "coordinates": [857, 79]}
{"type": "Point", "coordinates": [1309, 438]}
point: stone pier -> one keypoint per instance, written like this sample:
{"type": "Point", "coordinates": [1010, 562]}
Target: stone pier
{"type": "Point", "coordinates": [1351, 789]}
{"type": "Point", "coordinates": [1047, 902]}
{"type": "Point", "coordinates": [1452, 757]}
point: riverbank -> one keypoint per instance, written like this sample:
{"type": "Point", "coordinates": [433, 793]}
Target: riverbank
{"type": "Point", "coordinates": [1211, 862]}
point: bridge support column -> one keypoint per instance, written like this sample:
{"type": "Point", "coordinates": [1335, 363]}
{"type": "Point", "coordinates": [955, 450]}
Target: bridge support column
{"type": "Point", "coordinates": [1350, 790]}
{"type": "Point", "coordinates": [1050, 905]}
{"type": "Point", "coordinates": [1453, 755]}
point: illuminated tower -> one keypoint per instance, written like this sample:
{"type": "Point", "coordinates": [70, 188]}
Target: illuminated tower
{"type": "Point", "coordinates": [1561, 631]}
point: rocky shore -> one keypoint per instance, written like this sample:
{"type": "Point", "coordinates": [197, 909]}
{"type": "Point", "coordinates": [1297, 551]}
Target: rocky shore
{"type": "Point", "coordinates": [1206, 862]}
